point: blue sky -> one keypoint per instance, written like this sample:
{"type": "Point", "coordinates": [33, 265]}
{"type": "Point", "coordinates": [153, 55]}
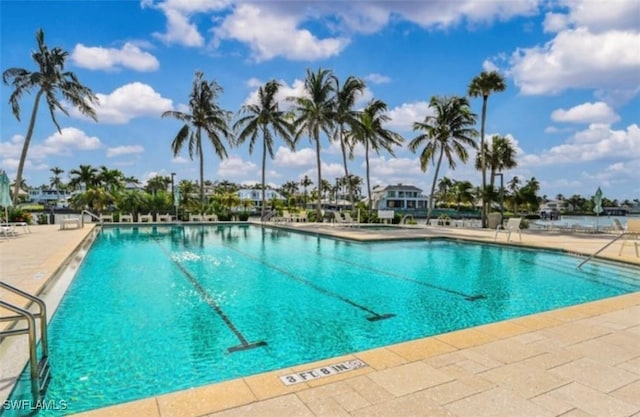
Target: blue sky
{"type": "Point", "coordinates": [572, 104]}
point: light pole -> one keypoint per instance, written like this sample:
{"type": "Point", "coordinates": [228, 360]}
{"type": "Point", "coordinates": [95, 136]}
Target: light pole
{"type": "Point", "coordinates": [501, 175]}
{"type": "Point", "coordinates": [173, 194]}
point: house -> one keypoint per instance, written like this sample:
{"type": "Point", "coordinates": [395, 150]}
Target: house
{"type": "Point", "coordinates": [552, 209]}
{"type": "Point", "coordinates": [255, 196]}
{"type": "Point", "coordinates": [400, 197]}
{"type": "Point", "coordinates": [41, 195]}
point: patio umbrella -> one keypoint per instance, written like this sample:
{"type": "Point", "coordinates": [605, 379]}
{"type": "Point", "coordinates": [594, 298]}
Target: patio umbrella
{"type": "Point", "coordinates": [597, 200]}
{"type": "Point", "coordinates": [5, 197]}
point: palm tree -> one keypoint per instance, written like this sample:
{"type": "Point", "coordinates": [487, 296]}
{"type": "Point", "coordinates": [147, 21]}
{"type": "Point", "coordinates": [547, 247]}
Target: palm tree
{"type": "Point", "coordinates": [498, 156]}
{"type": "Point", "coordinates": [85, 175]}
{"type": "Point", "coordinates": [265, 119]}
{"type": "Point", "coordinates": [371, 133]}
{"type": "Point", "coordinates": [206, 117]}
{"type": "Point", "coordinates": [483, 85]}
{"type": "Point", "coordinates": [52, 82]}
{"type": "Point", "coordinates": [346, 116]}
{"type": "Point", "coordinates": [305, 182]}
{"type": "Point", "coordinates": [314, 114]}
{"type": "Point", "coordinates": [462, 193]}
{"type": "Point", "coordinates": [55, 181]}
{"type": "Point", "coordinates": [111, 179]}
{"type": "Point", "coordinates": [446, 134]}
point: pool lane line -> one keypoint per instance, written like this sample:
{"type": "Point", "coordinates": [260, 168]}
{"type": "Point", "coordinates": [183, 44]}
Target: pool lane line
{"type": "Point", "coordinates": [415, 281]}
{"type": "Point", "coordinates": [374, 315]}
{"type": "Point", "coordinates": [244, 344]}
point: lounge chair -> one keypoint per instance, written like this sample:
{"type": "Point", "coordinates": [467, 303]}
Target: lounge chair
{"type": "Point", "coordinates": [341, 218]}
{"type": "Point", "coordinates": [195, 218]}
{"type": "Point", "coordinates": [348, 218]}
{"type": "Point", "coordinates": [106, 217]}
{"type": "Point", "coordinates": [8, 230]}
{"type": "Point", "coordinates": [512, 226]}
{"type": "Point", "coordinates": [631, 236]}
{"type": "Point", "coordinates": [164, 218]}
{"type": "Point", "coordinates": [210, 218]}
{"type": "Point", "coordinates": [71, 221]}
{"type": "Point", "coordinates": [145, 218]}
{"type": "Point", "coordinates": [126, 218]}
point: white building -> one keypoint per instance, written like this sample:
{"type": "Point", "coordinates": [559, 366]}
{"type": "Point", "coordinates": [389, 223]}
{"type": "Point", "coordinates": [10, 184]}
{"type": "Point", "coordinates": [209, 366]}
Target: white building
{"type": "Point", "coordinates": [256, 197]}
{"type": "Point", "coordinates": [47, 195]}
{"type": "Point", "coordinates": [402, 198]}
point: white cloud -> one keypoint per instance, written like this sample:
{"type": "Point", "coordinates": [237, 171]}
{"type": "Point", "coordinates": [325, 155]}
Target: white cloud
{"type": "Point", "coordinates": [285, 157]}
{"type": "Point", "coordinates": [376, 78]}
{"type": "Point", "coordinates": [62, 143]}
{"type": "Point", "coordinates": [598, 112]}
{"type": "Point", "coordinates": [129, 56]}
{"type": "Point", "coordinates": [402, 117]}
{"type": "Point", "coordinates": [124, 150]}
{"type": "Point", "coordinates": [235, 167]}
{"type": "Point", "coordinates": [129, 102]}
{"type": "Point", "coordinates": [555, 22]}
{"type": "Point", "coordinates": [570, 61]}
{"type": "Point", "coordinates": [269, 34]}
{"type": "Point", "coordinates": [601, 16]}
{"type": "Point", "coordinates": [597, 142]}
{"type": "Point", "coordinates": [180, 160]}
{"type": "Point", "coordinates": [180, 30]}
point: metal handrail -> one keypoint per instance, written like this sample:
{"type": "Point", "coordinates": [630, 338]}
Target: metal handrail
{"type": "Point", "coordinates": [95, 216]}
{"type": "Point", "coordinates": [24, 314]}
{"type": "Point", "coordinates": [42, 314]}
{"type": "Point", "coordinates": [31, 330]}
{"type": "Point", "coordinates": [593, 255]}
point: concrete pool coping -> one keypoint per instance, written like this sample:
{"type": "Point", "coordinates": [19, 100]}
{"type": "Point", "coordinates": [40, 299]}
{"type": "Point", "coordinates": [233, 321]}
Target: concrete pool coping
{"type": "Point", "coordinates": [581, 360]}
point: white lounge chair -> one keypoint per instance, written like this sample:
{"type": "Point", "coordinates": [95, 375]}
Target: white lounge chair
{"type": "Point", "coordinates": [512, 226]}
{"type": "Point", "coordinates": [210, 218]}
{"type": "Point", "coordinates": [145, 218]}
{"type": "Point", "coordinates": [341, 218]}
{"type": "Point", "coordinates": [8, 230]}
{"type": "Point", "coordinates": [195, 218]}
{"type": "Point", "coordinates": [631, 236]}
{"type": "Point", "coordinates": [106, 218]}
{"type": "Point", "coordinates": [71, 221]}
{"type": "Point", "coordinates": [126, 218]}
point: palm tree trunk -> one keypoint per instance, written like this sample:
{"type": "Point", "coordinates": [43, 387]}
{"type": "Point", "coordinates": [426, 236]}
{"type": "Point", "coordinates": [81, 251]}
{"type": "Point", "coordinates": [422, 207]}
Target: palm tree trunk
{"type": "Point", "coordinates": [366, 159]}
{"type": "Point", "coordinates": [319, 202]}
{"type": "Point", "coordinates": [25, 147]}
{"type": "Point", "coordinates": [433, 185]}
{"type": "Point", "coordinates": [200, 154]}
{"type": "Point", "coordinates": [264, 163]}
{"type": "Point", "coordinates": [485, 98]}
{"type": "Point", "coordinates": [344, 162]}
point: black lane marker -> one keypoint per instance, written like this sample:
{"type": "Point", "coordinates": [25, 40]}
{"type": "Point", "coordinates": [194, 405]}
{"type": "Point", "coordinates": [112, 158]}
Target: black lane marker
{"type": "Point", "coordinates": [244, 344]}
{"type": "Point", "coordinates": [415, 281]}
{"type": "Point", "coordinates": [374, 316]}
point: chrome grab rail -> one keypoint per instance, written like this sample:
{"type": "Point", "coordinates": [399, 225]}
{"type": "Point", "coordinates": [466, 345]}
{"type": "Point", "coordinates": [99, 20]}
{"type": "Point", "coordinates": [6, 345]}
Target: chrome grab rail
{"type": "Point", "coordinates": [39, 371]}
{"type": "Point", "coordinates": [95, 216]}
{"type": "Point", "coordinates": [593, 255]}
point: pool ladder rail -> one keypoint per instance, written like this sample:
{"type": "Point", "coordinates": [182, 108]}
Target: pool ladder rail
{"type": "Point", "coordinates": [40, 370]}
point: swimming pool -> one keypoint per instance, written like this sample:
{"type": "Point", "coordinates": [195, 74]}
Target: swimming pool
{"type": "Point", "coordinates": [158, 309]}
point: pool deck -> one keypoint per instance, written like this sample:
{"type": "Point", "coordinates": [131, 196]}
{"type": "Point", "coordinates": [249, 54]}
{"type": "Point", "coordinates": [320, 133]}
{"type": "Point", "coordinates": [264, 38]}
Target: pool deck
{"type": "Point", "coordinates": [573, 362]}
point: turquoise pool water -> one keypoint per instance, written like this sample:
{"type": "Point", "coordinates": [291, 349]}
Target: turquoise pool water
{"type": "Point", "coordinates": [159, 309]}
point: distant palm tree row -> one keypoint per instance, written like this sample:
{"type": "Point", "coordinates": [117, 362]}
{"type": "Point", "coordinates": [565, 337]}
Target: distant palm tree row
{"type": "Point", "coordinates": [327, 108]}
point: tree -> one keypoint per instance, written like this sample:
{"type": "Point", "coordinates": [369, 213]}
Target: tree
{"type": "Point", "coordinates": [483, 85]}
{"type": "Point", "coordinates": [111, 179]}
{"type": "Point", "coordinates": [346, 116]}
{"type": "Point", "coordinates": [50, 81]}
{"type": "Point", "coordinates": [371, 133]}
{"type": "Point", "coordinates": [265, 119]}
{"type": "Point", "coordinates": [446, 133]}
{"type": "Point", "coordinates": [498, 156]}
{"type": "Point", "coordinates": [85, 175]}
{"type": "Point", "coordinates": [462, 193]}
{"type": "Point", "coordinates": [314, 114]}
{"type": "Point", "coordinates": [55, 181]}
{"type": "Point", "coordinates": [205, 116]}
{"type": "Point", "coordinates": [305, 182]}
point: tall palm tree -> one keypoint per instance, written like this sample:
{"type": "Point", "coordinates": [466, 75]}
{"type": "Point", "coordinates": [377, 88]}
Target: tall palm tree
{"type": "Point", "coordinates": [267, 120]}
{"type": "Point", "coordinates": [446, 134]}
{"type": "Point", "coordinates": [346, 116]}
{"type": "Point", "coordinates": [483, 85]}
{"type": "Point", "coordinates": [462, 193]}
{"type": "Point", "coordinates": [305, 182]}
{"type": "Point", "coordinates": [85, 175]}
{"type": "Point", "coordinates": [55, 181]}
{"type": "Point", "coordinates": [50, 81]}
{"type": "Point", "coordinates": [111, 179]}
{"type": "Point", "coordinates": [371, 133]}
{"type": "Point", "coordinates": [205, 116]}
{"type": "Point", "coordinates": [314, 113]}
{"type": "Point", "coordinates": [498, 156]}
